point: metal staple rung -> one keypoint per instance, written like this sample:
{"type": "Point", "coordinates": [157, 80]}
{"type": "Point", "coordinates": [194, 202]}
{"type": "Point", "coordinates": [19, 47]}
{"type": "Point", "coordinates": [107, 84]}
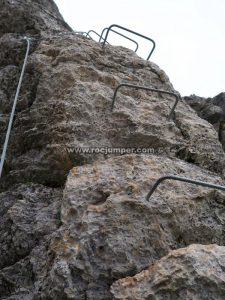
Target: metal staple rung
{"type": "Point", "coordinates": [147, 89]}
{"type": "Point", "coordinates": [80, 32]}
{"type": "Point", "coordinates": [131, 31]}
{"type": "Point", "coordinates": [90, 31]}
{"type": "Point", "coordinates": [14, 108]}
{"type": "Point", "coordinates": [183, 179]}
{"type": "Point", "coordinates": [126, 37]}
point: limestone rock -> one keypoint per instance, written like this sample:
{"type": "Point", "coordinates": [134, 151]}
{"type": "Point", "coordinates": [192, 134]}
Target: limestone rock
{"type": "Point", "coordinates": [74, 240]}
{"type": "Point", "coordinates": [28, 213]}
{"type": "Point", "coordinates": [110, 231]}
{"type": "Point", "coordinates": [30, 16]}
{"type": "Point", "coordinates": [195, 272]}
{"type": "Point", "coordinates": [212, 110]}
{"type": "Point", "coordinates": [65, 100]}
{"type": "Point", "coordinates": [65, 105]}
{"type": "Point", "coordinates": [73, 81]}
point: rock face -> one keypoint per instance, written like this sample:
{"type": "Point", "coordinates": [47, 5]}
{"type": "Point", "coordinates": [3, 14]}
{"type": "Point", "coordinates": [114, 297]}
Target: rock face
{"type": "Point", "coordinates": [29, 214]}
{"type": "Point", "coordinates": [195, 272]}
{"type": "Point", "coordinates": [72, 236]}
{"type": "Point", "coordinates": [109, 229]}
{"type": "Point", "coordinates": [30, 16]}
{"type": "Point", "coordinates": [65, 104]}
{"type": "Point", "coordinates": [212, 110]}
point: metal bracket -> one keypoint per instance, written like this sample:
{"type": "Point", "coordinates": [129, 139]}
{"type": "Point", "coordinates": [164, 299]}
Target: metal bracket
{"type": "Point", "coordinates": [126, 37]}
{"type": "Point", "coordinates": [183, 179]}
{"type": "Point", "coordinates": [147, 89]}
{"type": "Point", "coordinates": [14, 108]}
{"type": "Point", "coordinates": [92, 31]}
{"type": "Point", "coordinates": [131, 31]}
{"type": "Point", "coordinates": [80, 32]}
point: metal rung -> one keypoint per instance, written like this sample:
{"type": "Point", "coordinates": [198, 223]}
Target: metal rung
{"type": "Point", "coordinates": [131, 31]}
{"type": "Point", "coordinates": [126, 37]}
{"type": "Point", "coordinates": [92, 31]}
{"type": "Point", "coordinates": [147, 89]}
{"type": "Point", "coordinates": [183, 179]}
{"type": "Point", "coordinates": [80, 32]}
{"type": "Point", "coordinates": [14, 108]}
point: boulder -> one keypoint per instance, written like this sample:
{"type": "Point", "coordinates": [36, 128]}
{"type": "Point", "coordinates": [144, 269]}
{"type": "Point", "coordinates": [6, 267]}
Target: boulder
{"type": "Point", "coordinates": [195, 272]}
{"type": "Point", "coordinates": [109, 231]}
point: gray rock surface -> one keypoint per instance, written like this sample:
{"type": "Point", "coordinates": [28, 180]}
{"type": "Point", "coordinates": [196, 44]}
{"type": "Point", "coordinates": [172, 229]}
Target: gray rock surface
{"type": "Point", "coordinates": [72, 236]}
{"type": "Point", "coordinates": [65, 104]}
{"type": "Point", "coordinates": [28, 215]}
{"type": "Point", "coordinates": [110, 231]}
{"type": "Point", "coordinates": [195, 272]}
{"type": "Point", "coordinates": [212, 110]}
{"type": "Point", "coordinates": [30, 16]}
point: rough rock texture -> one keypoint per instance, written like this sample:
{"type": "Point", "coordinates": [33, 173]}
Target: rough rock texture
{"type": "Point", "coordinates": [28, 213]}
{"type": "Point", "coordinates": [195, 272]}
{"type": "Point", "coordinates": [30, 16]}
{"type": "Point", "coordinates": [65, 104]}
{"type": "Point", "coordinates": [72, 237]}
{"type": "Point", "coordinates": [212, 110]}
{"type": "Point", "coordinates": [110, 231]}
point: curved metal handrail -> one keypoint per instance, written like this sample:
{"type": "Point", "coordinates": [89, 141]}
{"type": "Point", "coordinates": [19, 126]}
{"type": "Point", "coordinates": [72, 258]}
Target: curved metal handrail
{"type": "Point", "coordinates": [183, 179]}
{"type": "Point", "coordinates": [14, 108]}
{"type": "Point", "coordinates": [126, 37]}
{"type": "Point", "coordinates": [147, 89]}
{"type": "Point", "coordinates": [131, 31]}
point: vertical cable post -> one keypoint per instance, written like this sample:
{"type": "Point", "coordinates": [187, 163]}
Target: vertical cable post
{"type": "Point", "coordinates": [14, 108]}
